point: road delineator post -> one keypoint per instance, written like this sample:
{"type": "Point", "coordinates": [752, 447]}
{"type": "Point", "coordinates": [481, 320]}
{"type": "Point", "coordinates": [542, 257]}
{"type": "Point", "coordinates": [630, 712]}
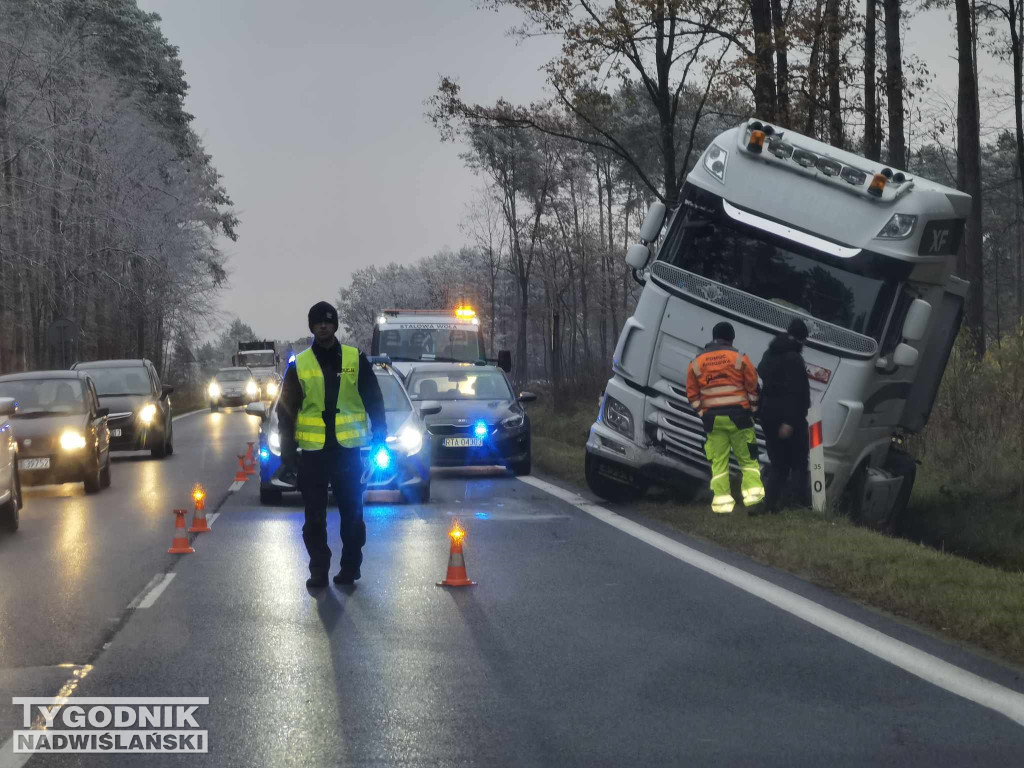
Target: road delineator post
{"type": "Point", "coordinates": [240, 475]}
{"type": "Point", "coordinates": [199, 516]}
{"type": "Point", "coordinates": [456, 576]}
{"type": "Point", "coordinates": [180, 544]}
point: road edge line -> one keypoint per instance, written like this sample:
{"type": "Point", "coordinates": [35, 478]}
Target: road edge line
{"type": "Point", "coordinates": [155, 592]}
{"type": "Point", "coordinates": [919, 663]}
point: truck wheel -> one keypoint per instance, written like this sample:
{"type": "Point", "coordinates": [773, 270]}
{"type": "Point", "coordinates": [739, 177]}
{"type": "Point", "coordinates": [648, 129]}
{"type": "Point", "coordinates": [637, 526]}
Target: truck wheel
{"type": "Point", "coordinates": [608, 488]}
{"type": "Point", "coordinates": [902, 465]}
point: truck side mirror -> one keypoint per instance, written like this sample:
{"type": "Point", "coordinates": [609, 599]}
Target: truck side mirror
{"type": "Point", "coordinates": [905, 356]}
{"type": "Point", "coordinates": [916, 323]}
{"type": "Point", "coordinates": [505, 360]}
{"type": "Point", "coordinates": [652, 223]}
{"type": "Point", "coordinates": [637, 256]}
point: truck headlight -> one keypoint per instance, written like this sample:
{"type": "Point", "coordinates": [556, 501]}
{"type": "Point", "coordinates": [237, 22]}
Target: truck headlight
{"type": "Point", "coordinates": [618, 417]}
{"type": "Point", "coordinates": [271, 388]}
{"type": "Point", "coordinates": [72, 440]}
{"type": "Point", "coordinates": [274, 442]}
{"type": "Point", "coordinates": [411, 440]}
{"type": "Point", "coordinates": [213, 390]}
{"type": "Point", "coordinates": [252, 388]}
{"type": "Point", "coordinates": [715, 161]}
{"type": "Point", "coordinates": [147, 413]}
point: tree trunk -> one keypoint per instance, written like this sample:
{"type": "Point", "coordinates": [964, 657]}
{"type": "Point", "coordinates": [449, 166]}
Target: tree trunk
{"type": "Point", "coordinates": [765, 103]}
{"type": "Point", "coordinates": [833, 68]}
{"type": "Point", "coordinates": [969, 170]}
{"type": "Point", "coordinates": [813, 71]}
{"type": "Point", "coordinates": [894, 83]}
{"type": "Point", "coordinates": [781, 62]}
{"type": "Point", "coordinates": [872, 141]}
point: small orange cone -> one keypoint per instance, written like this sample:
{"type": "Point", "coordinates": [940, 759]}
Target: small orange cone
{"type": "Point", "coordinates": [240, 475]}
{"type": "Point", "coordinates": [456, 576]}
{"type": "Point", "coordinates": [180, 545]}
{"type": "Point", "coordinates": [199, 516]}
{"type": "Point", "coordinates": [250, 461]}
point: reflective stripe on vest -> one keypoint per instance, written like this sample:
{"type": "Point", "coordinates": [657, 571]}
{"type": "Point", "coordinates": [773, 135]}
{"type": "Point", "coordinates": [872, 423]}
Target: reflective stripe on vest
{"type": "Point", "coordinates": [351, 425]}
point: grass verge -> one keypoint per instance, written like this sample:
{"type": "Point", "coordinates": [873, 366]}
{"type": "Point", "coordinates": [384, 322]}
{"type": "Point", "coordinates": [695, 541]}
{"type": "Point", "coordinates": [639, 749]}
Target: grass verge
{"type": "Point", "coordinates": [961, 599]}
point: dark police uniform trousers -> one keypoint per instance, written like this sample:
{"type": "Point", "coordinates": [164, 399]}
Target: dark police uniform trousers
{"type": "Point", "coordinates": [342, 469]}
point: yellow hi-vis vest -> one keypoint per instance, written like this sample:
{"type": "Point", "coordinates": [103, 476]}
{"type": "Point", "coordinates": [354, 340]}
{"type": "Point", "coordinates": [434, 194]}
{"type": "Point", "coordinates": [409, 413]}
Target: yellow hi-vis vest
{"type": "Point", "coordinates": [351, 425]}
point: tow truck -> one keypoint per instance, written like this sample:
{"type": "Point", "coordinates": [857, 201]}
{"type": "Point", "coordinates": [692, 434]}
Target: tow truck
{"type": "Point", "coordinates": [771, 226]}
{"type": "Point", "coordinates": [262, 358]}
{"type": "Point", "coordinates": [409, 336]}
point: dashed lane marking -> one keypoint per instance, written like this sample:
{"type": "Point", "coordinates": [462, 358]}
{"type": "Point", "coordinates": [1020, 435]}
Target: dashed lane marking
{"type": "Point", "coordinates": [155, 592]}
{"type": "Point", "coordinates": [210, 519]}
{"type": "Point", "coordinates": [236, 486]}
{"type": "Point", "coordinates": [145, 591]}
{"type": "Point", "coordinates": [913, 660]}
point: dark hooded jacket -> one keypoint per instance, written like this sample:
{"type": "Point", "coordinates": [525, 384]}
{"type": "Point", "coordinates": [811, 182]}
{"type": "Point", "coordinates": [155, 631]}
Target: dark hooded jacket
{"type": "Point", "coordinates": [786, 392]}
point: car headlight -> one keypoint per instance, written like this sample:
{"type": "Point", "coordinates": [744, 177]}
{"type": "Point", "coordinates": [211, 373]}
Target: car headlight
{"type": "Point", "coordinates": [513, 421]}
{"type": "Point", "coordinates": [72, 440]}
{"type": "Point", "coordinates": [147, 413]}
{"type": "Point", "coordinates": [271, 388]}
{"type": "Point", "coordinates": [618, 417]}
{"type": "Point", "coordinates": [252, 388]}
{"type": "Point", "coordinates": [214, 389]}
{"type": "Point", "coordinates": [274, 442]}
{"type": "Point", "coordinates": [411, 440]}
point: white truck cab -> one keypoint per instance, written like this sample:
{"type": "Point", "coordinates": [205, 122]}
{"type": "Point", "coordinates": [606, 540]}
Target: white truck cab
{"type": "Point", "coordinates": [773, 226]}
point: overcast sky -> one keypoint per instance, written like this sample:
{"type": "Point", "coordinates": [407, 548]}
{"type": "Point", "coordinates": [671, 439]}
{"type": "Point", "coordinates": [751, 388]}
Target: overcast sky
{"type": "Point", "coordinates": [313, 113]}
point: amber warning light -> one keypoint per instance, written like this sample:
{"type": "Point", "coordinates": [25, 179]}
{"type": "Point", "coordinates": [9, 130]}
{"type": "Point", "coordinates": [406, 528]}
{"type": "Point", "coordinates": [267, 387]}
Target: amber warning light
{"type": "Point", "coordinates": [199, 496]}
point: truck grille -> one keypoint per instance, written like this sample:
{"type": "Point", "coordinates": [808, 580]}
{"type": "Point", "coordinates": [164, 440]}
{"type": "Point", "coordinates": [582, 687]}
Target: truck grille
{"type": "Point", "coordinates": [677, 429]}
{"type": "Point", "coordinates": [763, 312]}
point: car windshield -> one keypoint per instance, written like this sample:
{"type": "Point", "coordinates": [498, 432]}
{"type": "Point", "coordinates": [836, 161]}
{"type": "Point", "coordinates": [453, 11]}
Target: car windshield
{"type": "Point", "coordinates": [120, 381]}
{"type": "Point", "coordinates": [430, 344]}
{"type": "Point", "coordinates": [852, 292]}
{"type": "Point", "coordinates": [458, 385]}
{"type": "Point", "coordinates": [233, 376]}
{"type": "Point", "coordinates": [395, 400]}
{"type": "Point", "coordinates": [257, 359]}
{"type": "Point", "coordinates": [44, 396]}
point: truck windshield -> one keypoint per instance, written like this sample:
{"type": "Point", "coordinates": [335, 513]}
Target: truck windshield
{"type": "Point", "coordinates": [451, 344]}
{"type": "Point", "coordinates": [854, 293]}
{"type": "Point", "coordinates": [258, 359]}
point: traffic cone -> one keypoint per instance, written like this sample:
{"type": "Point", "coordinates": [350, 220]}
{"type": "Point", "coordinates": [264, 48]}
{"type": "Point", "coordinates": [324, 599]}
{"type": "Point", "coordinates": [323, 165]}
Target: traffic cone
{"type": "Point", "coordinates": [180, 545]}
{"type": "Point", "coordinates": [199, 516]}
{"type": "Point", "coordinates": [456, 576]}
{"type": "Point", "coordinates": [250, 461]}
{"type": "Point", "coordinates": [240, 475]}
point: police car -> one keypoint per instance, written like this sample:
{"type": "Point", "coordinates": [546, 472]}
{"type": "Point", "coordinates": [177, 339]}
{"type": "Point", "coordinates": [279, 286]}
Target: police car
{"type": "Point", "coordinates": [402, 464]}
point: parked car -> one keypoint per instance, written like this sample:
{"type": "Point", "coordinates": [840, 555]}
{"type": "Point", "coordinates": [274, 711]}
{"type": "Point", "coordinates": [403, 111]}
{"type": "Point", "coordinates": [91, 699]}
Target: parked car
{"type": "Point", "coordinates": [140, 407]}
{"type": "Point", "coordinates": [233, 386]}
{"type": "Point", "coordinates": [479, 420]}
{"type": "Point", "coordinates": [403, 464]}
{"type": "Point", "coordinates": [10, 484]}
{"type": "Point", "coordinates": [60, 427]}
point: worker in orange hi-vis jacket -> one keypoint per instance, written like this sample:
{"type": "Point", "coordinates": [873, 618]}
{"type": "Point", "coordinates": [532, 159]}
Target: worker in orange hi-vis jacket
{"type": "Point", "coordinates": [721, 384]}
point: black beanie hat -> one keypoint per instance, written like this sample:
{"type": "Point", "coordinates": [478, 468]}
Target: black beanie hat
{"type": "Point", "coordinates": [723, 331]}
{"type": "Point", "coordinates": [797, 329]}
{"type": "Point", "coordinates": [321, 312]}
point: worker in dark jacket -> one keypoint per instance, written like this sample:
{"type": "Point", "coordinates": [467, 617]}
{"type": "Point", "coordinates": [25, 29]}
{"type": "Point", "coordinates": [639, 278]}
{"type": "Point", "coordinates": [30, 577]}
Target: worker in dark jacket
{"type": "Point", "coordinates": [323, 441]}
{"type": "Point", "coordinates": [785, 400]}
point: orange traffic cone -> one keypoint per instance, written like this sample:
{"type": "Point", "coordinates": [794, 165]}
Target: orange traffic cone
{"type": "Point", "coordinates": [456, 576]}
{"type": "Point", "coordinates": [240, 475]}
{"type": "Point", "coordinates": [250, 461]}
{"type": "Point", "coordinates": [199, 516]}
{"type": "Point", "coordinates": [180, 545]}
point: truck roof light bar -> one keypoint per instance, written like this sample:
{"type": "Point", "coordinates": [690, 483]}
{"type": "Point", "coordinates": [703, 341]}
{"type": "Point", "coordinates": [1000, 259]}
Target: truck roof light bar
{"type": "Point", "coordinates": [756, 142]}
{"type": "Point", "coordinates": [877, 186]}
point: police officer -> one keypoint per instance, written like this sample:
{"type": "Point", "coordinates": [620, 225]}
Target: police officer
{"type": "Point", "coordinates": [721, 384]}
{"type": "Point", "coordinates": [330, 406]}
{"type": "Point", "coordinates": [785, 400]}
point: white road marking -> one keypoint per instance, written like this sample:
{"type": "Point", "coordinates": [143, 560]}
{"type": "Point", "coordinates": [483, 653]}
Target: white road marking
{"type": "Point", "coordinates": [145, 591]}
{"type": "Point", "coordinates": [11, 759]}
{"type": "Point", "coordinates": [154, 594]}
{"type": "Point", "coordinates": [915, 661]}
{"type": "Point", "coordinates": [190, 413]}
{"type": "Point", "coordinates": [236, 486]}
{"type": "Point", "coordinates": [210, 519]}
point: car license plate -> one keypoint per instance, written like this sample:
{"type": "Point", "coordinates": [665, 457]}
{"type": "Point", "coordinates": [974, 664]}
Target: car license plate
{"type": "Point", "coordinates": [115, 433]}
{"type": "Point", "coordinates": [462, 442]}
{"type": "Point", "coordinates": [34, 463]}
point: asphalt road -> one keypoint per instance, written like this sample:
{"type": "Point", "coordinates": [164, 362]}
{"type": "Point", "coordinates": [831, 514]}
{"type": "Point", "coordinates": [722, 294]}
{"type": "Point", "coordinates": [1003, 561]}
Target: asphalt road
{"type": "Point", "coordinates": [580, 645]}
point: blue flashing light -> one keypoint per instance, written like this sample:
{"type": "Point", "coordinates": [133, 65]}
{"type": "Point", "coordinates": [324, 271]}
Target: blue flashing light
{"type": "Point", "coordinates": [264, 454]}
{"type": "Point", "coordinates": [291, 359]}
{"type": "Point", "coordinates": [480, 429]}
{"type": "Point", "coordinates": [382, 458]}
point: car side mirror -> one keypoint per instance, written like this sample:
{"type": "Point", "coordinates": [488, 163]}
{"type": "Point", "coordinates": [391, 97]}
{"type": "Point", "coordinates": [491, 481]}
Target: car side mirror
{"type": "Point", "coordinates": [505, 360]}
{"type": "Point", "coordinates": [429, 408]}
{"type": "Point", "coordinates": [8, 406]}
{"type": "Point", "coordinates": [527, 397]}
{"type": "Point", "coordinates": [101, 412]}
{"type": "Point", "coordinates": [904, 356]}
{"type": "Point", "coordinates": [916, 323]}
{"type": "Point", "coordinates": [165, 391]}
{"type": "Point", "coordinates": [651, 227]}
{"type": "Point", "coordinates": [257, 408]}
{"type": "Point", "coordinates": [637, 256]}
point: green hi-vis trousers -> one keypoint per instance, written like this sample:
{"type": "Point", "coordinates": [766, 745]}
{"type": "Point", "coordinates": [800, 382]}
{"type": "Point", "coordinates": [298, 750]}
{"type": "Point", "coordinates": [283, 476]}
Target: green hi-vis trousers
{"type": "Point", "coordinates": [725, 436]}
